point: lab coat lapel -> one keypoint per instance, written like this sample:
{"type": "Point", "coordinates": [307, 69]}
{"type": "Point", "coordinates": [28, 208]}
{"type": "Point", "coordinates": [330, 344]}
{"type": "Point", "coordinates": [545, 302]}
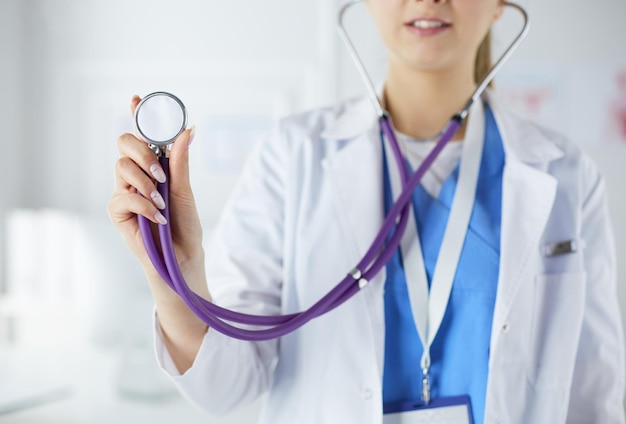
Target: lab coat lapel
{"type": "Point", "coordinates": [528, 194]}
{"type": "Point", "coordinates": [355, 178]}
{"type": "Point", "coordinates": [355, 173]}
{"type": "Point", "coordinates": [527, 198]}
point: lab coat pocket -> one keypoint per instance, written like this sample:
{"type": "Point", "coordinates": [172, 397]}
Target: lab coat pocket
{"type": "Point", "coordinates": [557, 317]}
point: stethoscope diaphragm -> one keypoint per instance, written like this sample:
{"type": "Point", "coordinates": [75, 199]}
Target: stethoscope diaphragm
{"type": "Point", "coordinates": [160, 118]}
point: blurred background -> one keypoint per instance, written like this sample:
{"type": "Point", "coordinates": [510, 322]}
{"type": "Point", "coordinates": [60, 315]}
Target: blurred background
{"type": "Point", "coordinates": [75, 311]}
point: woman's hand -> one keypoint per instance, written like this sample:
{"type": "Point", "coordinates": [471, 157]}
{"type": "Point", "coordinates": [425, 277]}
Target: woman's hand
{"type": "Point", "coordinates": [135, 194]}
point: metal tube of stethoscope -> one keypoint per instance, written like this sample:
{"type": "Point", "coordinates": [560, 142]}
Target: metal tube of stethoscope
{"type": "Point", "coordinates": [356, 59]}
{"type": "Point", "coordinates": [369, 85]}
{"type": "Point", "coordinates": [500, 62]}
{"type": "Point", "coordinates": [373, 261]}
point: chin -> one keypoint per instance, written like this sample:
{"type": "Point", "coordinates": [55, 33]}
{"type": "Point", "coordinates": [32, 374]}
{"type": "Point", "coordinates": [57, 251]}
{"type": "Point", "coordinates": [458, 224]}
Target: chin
{"type": "Point", "coordinates": [422, 65]}
{"type": "Point", "coordinates": [428, 61]}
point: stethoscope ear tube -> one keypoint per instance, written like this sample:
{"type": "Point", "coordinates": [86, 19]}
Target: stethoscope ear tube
{"type": "Point", "coordinates": [369, 85]}
{"type": "Point", "coordinates": [376, 257]}
{"type": "Point", "coordinates": [502, 59]}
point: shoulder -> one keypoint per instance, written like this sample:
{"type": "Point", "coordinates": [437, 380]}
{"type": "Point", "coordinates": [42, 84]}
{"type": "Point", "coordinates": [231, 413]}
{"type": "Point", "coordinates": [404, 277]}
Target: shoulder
{"type": "Point", "coordinates": [300, 143]}
{"type": "Point", "coordinates": [537, 144]}
{"type": "Point", "coordinates": [575, 162]}
{"type": "Point", "coordinates": [328, 122]}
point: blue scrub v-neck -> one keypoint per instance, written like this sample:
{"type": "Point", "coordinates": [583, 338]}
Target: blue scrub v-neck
{"type": "Point", "coordinates": [460, 351]}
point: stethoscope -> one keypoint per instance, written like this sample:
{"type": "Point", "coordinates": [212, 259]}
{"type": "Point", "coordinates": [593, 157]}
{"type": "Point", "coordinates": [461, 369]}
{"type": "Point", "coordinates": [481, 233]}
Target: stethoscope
{"type": "Point", "coordinates": [161, 117]}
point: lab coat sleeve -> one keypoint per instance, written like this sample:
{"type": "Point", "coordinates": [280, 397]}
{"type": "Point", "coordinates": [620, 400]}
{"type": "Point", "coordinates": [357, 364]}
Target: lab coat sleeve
{"type": "Point", "coordinates": [597, 391]}
{"type": "Point", "coordinates": [244, 273]}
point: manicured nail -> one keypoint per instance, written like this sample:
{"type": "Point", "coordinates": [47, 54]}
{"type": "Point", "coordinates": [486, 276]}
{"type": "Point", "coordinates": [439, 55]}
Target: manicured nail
{"type": "Point", "coordinates": [192, 134]}
{"type": "Point", "coordinates": [158, 173]}
{"type": "Point", "coordinates": [160, 218]}
{"type": "Point", "coordinates": [157, 199]}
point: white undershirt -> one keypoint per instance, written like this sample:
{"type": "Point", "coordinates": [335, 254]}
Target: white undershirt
{"type": "Point", "coordinates": [415, 151]}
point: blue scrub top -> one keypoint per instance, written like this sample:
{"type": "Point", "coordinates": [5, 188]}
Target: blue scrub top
{"type": "Point", "coordinates": [460, 351]}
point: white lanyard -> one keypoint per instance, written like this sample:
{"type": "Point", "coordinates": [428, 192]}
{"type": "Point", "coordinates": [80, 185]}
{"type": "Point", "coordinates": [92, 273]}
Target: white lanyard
{"type": "Point", "coordinates": [428, 310]}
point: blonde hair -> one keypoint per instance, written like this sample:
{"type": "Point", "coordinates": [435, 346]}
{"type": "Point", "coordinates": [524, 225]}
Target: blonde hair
{"type": "Point", "coordinates": [483, 59]}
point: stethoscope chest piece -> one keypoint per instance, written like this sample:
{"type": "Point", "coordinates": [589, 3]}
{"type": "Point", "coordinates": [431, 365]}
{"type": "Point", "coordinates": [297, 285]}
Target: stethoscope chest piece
{"type": "Point", "coordinates": [160, 118]}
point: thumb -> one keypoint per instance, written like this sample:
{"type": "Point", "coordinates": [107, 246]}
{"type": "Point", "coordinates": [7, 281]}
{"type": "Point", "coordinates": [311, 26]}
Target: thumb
{"type": "Point", "coordinates": [179, 158]}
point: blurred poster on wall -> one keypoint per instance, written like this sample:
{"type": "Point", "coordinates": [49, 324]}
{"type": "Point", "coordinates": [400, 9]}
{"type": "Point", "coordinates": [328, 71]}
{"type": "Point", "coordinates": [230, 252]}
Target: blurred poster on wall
{"type": "Point", "coordinates": [597, 110]}
{"type": "Point", "coordinates": [535, 92]}
{"type": "Point", "coordinates": [617, 108]}
{"type": "Point", "coordinates": [585, 102]}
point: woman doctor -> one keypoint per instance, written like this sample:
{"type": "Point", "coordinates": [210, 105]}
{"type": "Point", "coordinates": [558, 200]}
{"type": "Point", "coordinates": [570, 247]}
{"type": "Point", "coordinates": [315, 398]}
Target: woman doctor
{"type": "Point", "coordinates": [531, 332]}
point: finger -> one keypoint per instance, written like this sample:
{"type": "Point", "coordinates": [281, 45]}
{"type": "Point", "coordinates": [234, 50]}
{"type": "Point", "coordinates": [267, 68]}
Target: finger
{"type": "Point", "coordinates": [133, 104]}
{"type": "Point", "coordinates": [140, 153]}
{"type": "Point", "coordinates": [124, 206]}
{"type": "Point", "coordinates": [131, 178]}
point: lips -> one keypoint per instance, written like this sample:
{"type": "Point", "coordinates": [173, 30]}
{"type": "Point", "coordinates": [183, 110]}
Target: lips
{"type": "Point", "coordinates": [428, 25]}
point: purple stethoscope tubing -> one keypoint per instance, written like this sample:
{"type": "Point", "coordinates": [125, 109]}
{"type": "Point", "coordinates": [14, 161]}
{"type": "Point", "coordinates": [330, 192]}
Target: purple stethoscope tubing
{"type": "Point", "coordinates": [212, 314]}
{"type": "Point", "coordinates": [376, 257]}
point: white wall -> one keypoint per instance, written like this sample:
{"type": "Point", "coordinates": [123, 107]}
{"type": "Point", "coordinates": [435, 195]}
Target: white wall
{"type": "Point", "coordinates": [81, 61]}
{"type": "Point", "coordinates": [85, 59]}
{"type": "Point", "coordinates": [10, 112]}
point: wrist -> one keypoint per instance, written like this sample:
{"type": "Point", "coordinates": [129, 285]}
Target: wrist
{"type": "Point", "coordinates": [193, 271]}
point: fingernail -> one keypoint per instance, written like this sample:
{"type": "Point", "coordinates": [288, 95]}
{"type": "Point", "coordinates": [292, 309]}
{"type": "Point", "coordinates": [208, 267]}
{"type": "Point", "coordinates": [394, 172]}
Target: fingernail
{"type": "Point", "coordinates": [157, 199]}
{"type": "Point", "coordinates": [158, 173]}
{"type": "Point", "coordinates": [192, 134]}
{"type": "Point", "coordinates": [160, 218]}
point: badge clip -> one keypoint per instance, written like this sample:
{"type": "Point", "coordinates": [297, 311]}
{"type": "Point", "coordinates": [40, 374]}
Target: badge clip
{"type": "Point", "coordinates": [560, 248]}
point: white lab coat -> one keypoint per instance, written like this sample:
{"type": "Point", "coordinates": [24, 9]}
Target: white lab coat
{"type": "Point", "coordinates": [308, 206]}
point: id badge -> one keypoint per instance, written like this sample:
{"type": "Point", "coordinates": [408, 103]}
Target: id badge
{"type": "Point", "coordinates": [450, 410]}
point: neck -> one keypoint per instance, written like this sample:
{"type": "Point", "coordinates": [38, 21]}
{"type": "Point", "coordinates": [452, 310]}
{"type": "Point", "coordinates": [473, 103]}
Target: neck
{"type": "Point", "coordinates": [421, 103]}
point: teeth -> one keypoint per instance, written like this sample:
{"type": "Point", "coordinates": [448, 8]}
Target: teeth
{"type": "Point", "coordinates": [427, 24]}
